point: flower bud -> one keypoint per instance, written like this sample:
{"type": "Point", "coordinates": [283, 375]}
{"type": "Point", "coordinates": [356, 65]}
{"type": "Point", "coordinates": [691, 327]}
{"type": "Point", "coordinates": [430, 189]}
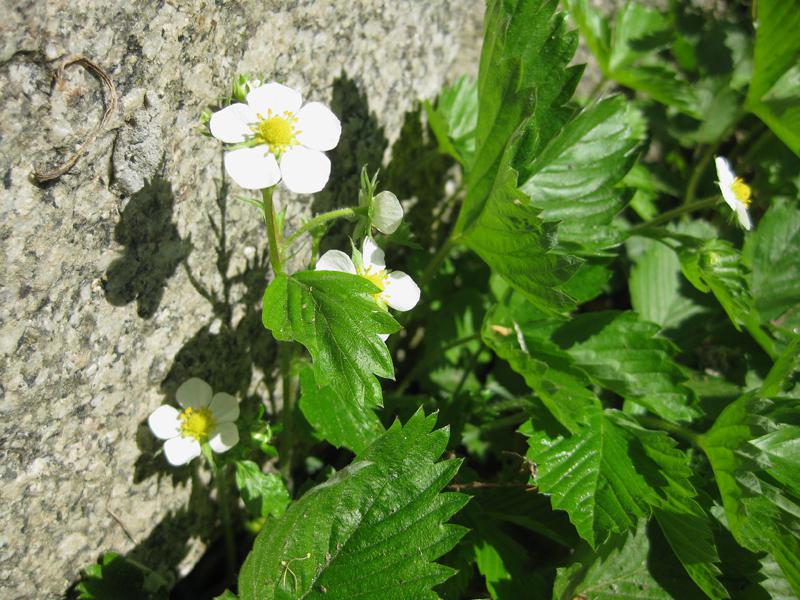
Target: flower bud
{"type": "Point", "coordinates": [386, 212]}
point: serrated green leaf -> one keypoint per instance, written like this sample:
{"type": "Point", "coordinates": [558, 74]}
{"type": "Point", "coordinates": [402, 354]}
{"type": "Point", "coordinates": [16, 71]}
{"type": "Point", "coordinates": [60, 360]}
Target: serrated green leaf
{"type": "Point", "coordinates": [782, 446]}
{"type": "Point", "coordinates": [760, 515]}
{"type": "Point", "coordinates": [684, 523]}
{"type": "Point", "coordinates": [663, 84]}
{"type": "Point", "coordinates": [572, 179]}
{"type": "Point", "coordinates": [594, 28]}
{"type": "Point", "coordinates": [655, 288]}
{"type": "Point", "coordinates": [773, 92]}
{"type": "Point", "coordinates": [716, 266]}
{"type": "Point", "coordinates": [634, 566]}
{"type": "Point", "coordinates": [523, 84]}
{"type": "Point", "coordinates": [510, 237]}
{"type": "Point", "coordinates": [788, 362]}
{"type": "Point", "coordinates": [773, 254]}
{"type": "Point", "coordinates": [340, 421]}
{"type": "Point", "coordinates": [454, 118]}
{"type": "Point", "coordinates": [590, 475]}
{"type": "Point", "coordinates": [372, 530]}
{"type": "Point", "coordinates": [626, 355]}
{"type": "Point", "coordinates": [547, 370]}
{"type": "Point", "coordinates": [638, 31]}
{"type": "Point", "coordinates": [335, 317]}
{"type": "Point", "coordinates": [263, 493]}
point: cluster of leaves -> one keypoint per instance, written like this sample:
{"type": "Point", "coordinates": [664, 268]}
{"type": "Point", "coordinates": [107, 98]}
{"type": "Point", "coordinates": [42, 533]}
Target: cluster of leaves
{"type": "Point", "coordinates": [615, 381]}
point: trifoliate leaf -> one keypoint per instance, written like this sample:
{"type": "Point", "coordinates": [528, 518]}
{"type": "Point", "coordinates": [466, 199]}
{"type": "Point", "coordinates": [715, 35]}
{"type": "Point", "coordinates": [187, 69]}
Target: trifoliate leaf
{"type": "Point", "coordinates": [634, 566]}
{"type": "Point", "coordinates": [572, 179]}
{"type": "Point", "coordinates": [335, 317]}
{"type": "Point", "coordinates": [263, 493]}
{"type": "Point", "coordinates": [627, 356]}
{"type": "Point", "coordinates": [523, 84]}
{"type": "Point", "coordinates": [373, 530]}
{"type": "Point", "coordinates": [685, 524]}
{"type": "Point", "coordinates": [454, 119]}
{"type": "Point", "coordinates": [655, 288]}
{"type": "Point", "coordinates": [717, 266]}
{"type": "Point", "coordinates": [760, 515]}
{"type": "Point", "coordinates": [548, 371]}
{"type": "Point", "coordinates": [590, 475]}
{"type": "Point", "coordinates": [773, 254]}
{"type": "Point", "coordinates": [339, 420]}
{"type": "Point", "coordinates": [773, 89]}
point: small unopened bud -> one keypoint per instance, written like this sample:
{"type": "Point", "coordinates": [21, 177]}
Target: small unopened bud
{"type": "Point", "coordinates": [387, 213]}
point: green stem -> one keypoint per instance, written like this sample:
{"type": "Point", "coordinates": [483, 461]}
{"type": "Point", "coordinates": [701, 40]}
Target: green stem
{"type": "Point", "coordinates": [315, 222]}
{"type": "Point", "coordinates": [287, 353]}
{"type": "Point", "coordinates": [675, 212]}
{"type": "Point", "coordinates": [437, 260]}
{"type": "Point", "coordinates": [224, 513]}
{"type": "Point", "coordinates": [697, 173]}
{"type": "Point", "coordinates": [273, 235]}
{"type": "Point", "coordinates": [678, 430]}
{"type": "Point", "coordinates": [473, 360]}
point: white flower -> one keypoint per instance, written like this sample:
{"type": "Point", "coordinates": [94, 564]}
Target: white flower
{"type": "Point", "coordinates": [387, 214]}
{"type": "Point", "coordinates": [735, 191]}
{"type": "Point", "coordinates": [275, 129]}
{"type": "Point", "coordinates": [397, 289]}
{"type": "Point", "coordinates": [204, 418]}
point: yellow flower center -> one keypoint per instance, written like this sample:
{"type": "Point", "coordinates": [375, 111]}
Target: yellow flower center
{"type": "Point", "coordinates": [196, 423]}
{"type": "Point", "coordinates": [742, 191]}
{"type": "Point", "coordinates": [277, 131]}
{"type": "Point", "coordinates": [377, 278]}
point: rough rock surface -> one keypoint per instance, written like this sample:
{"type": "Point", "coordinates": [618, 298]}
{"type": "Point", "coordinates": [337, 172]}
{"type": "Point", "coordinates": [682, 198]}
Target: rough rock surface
{"type": "Point", "coordinates": [102, 307]}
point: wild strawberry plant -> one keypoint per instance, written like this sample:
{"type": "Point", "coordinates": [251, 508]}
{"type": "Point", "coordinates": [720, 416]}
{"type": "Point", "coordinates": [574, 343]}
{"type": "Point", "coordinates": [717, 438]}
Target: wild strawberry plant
{"type": "Point", "coordinates": [582, 383]}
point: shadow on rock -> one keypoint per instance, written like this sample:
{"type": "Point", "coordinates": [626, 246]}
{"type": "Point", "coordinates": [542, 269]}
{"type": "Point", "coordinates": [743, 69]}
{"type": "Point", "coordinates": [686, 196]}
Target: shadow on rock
{"type": "Point", "coordinates": [153, 249]}
{"type": "Point", "coordinates": [362, 144]}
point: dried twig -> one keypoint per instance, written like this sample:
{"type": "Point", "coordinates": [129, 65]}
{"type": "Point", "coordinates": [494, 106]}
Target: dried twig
{"type": "Point", "coordinates": [96, 70]}
{"type": "Point", "coordinates": [122, 526]}
{"type": "Point", "coordinates": [477, 485]}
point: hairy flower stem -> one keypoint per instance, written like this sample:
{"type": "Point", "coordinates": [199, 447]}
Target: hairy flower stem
{"type": "Point", "coordinates": [675, 212]}
{"type": "Point", "coordinates": [273, 234]}
{"type": "Point", "coordinates": [323, 218]}
{"type": "Point", "coordinates": [224, 513]}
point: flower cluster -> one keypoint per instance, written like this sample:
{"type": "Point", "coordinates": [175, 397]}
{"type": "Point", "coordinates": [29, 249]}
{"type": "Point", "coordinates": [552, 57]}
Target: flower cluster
{"type": "Point", "coordinates": [206, 418]}
{"type": "Point", "coordinates": [277, 140]}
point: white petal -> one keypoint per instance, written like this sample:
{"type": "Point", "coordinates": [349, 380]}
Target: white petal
{"type": "Point", "coordinates": [224, 407]}
{"type": "Point", "coordinates": [372, 255]}
{"type": "Point", "coordinates": [319, 127]}
{"type": "Point", "coordinates": [231, 124]}
{"type": "Point", "coordinates": [164, 422]}
{"type": "Point", "coordinates": [383, 336]}
{"type": "Point", "coordinates": [194, 393]}
{"type": "Point", "coordinates": [275, 97]}
{"type": "Point", "coordinates": [253, 168]}
{"type": "Point", "coordinates": [724, 172]}
{"type": "Point", "coordinates": [336, 260]}
{"type": "Point", "coordinates": [181, 450]}
{"type": "Point", "coordinates": [387, 213]}
{"type": "Point", "coordinates": [744, 216]}
{"type": "Point", "coordinates": [401, 293]}
{"type": "Point", "coordinates": [225, 437]}
{"type": "Point", "coordinates": [305, 171]}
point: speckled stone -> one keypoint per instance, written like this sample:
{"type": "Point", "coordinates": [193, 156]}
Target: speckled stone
{"type": "Point", "coordinates": [99, 317]}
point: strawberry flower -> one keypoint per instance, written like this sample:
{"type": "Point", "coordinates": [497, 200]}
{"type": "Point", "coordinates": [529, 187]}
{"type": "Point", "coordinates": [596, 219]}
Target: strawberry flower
{"type": "Point", "coordinates": [279, 140]}
{"type": "Point", "coordinates": [206, 417]}
{"type": "Point", "coordinates": [735, 191]}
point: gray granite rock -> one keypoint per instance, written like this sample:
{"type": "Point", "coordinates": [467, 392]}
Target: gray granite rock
{"type": "Point", "coordinates": [102, 307]}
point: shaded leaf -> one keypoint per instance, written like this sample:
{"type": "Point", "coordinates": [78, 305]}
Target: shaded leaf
{"type": "Point", "coordinates": [454, 118]}
{"type": "Point", "coordinates": [263, 493]}
{"type": "Point", "coordinates": [339, 420]}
